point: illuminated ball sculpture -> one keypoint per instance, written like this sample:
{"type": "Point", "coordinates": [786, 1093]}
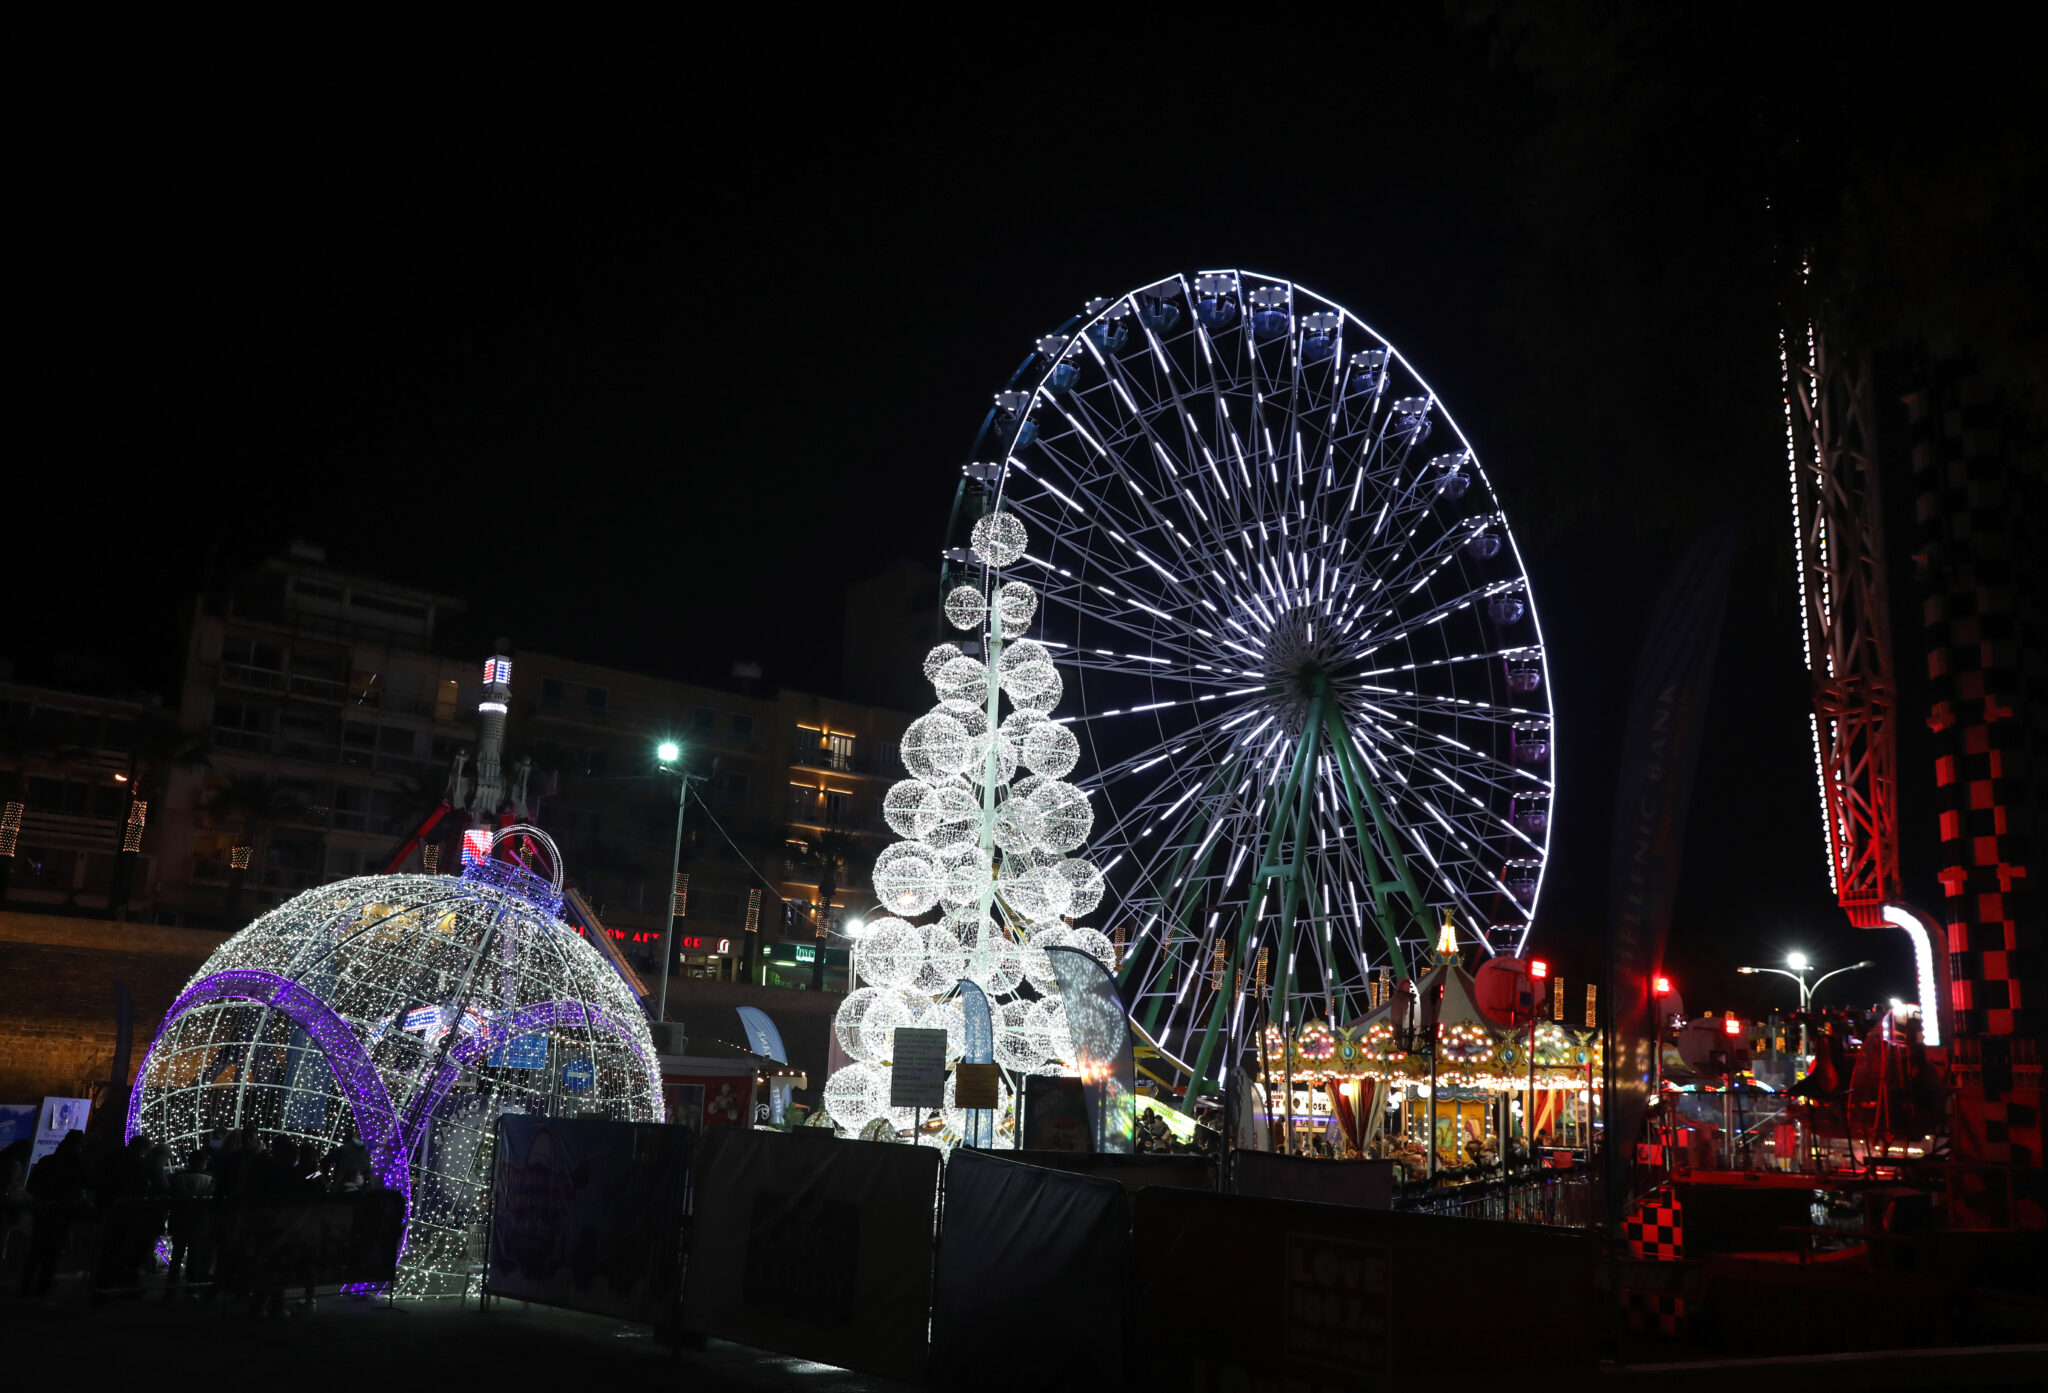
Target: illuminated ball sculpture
{"type": "Point", "coordinates": [404, 1012]}
{"type": "Point", "coordinates": [989, 862]}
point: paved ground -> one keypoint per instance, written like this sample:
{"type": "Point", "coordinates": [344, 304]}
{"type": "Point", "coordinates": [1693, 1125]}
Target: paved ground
{"type": "Point", "coordinates": [344, 1342]}
{"type": "Point", "coordinates": [146, 1341]}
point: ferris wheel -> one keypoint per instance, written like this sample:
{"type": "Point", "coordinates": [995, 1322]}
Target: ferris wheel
{"type": "Point", "coordinates": [1298, 646]}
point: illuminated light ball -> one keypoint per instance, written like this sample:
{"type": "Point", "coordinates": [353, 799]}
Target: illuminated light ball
{"type": "Point", "coordinates": [1016, 827]}
{"type": "Point", "coordinates": [1006, 758]}
{"type": "Point", "coordinates": [1017, 1047]}
{"type": "Point", "coordinates": [879, 1025]}
{"type": "Point", "coordinates": [846, 1021]}
{"type": "Point", "coordinates": [966, 882]}
{"type": "Point", "coordinates": [1081, 883]}
{"type": "Point", "coordinates": [1023, 653]}
{"type": "Point", "coordinates": [1036, 689]}
{"type": "Point", "coordinates": [963, 679]}
{"type": "Point", "coordinates": [1017, 725]}
{"type": "Point", "coordinates": [997, 966]}
{"type": "Point", "coordinates": [944, 963]}
{"type": "Point", "coordinates": [849, 1096]}
{"type": "Point", "coordinates": [1038, 968]}
{"type": "Point", "coordinates": [1024, 892]}
{"type": "Point", "coordinates": [935, 746]}
{"type": "Point", "coordinates": [1064, 815]}
{"type": "Point", "coordinates": [1047, 1022]}
{"type": "Point", "coordinates": [889, 953]}
{"type": "Point", "coordinates": [972, 716]}
{"type": "Point", "coordinates": [958, 814]}
{"type": "Point", "coordinates": [911, 809]}
{"type": "Point", "coordinates": [999, 538]}
{"type": "Point", "coordinates": [938, 658]}
{"type": "Point", "coordinates": [1051, 749]}
{"type": "Point", "coordinates": [371, 1011]}
{"type": "Point", "coordinates": [968, 925]}
{"type": "Point", "coordinates": [965, 607]}
{"type": "Point", "coordinates": [1017, 602]}
{"type": "Point", "coordinates": [1096, 944]}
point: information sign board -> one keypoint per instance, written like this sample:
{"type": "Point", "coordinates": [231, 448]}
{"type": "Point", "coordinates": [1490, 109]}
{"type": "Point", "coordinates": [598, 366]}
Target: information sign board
{"type": "Point", "coordinates": [917, 1070]}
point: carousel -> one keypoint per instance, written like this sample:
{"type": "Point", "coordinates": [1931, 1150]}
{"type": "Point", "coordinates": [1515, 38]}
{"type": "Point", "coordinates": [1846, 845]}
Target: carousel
{"type": "Point", "coordinates": [1454, 1075]}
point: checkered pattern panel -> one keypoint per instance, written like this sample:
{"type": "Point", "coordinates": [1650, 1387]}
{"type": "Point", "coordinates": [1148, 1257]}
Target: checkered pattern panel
{"type": "Point", "coordinates": [1976, 510]}
{"type": "Point", "coordinates": [1656, 1231]}
{"type": "Point", "coordinates": [1654, 1313]}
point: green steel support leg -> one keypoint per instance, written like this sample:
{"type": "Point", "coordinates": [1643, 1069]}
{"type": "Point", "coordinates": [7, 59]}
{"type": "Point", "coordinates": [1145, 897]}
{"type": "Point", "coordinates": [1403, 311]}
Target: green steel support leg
{"type": "Point", "coordinates": [1362, 788]}
{"type": "Point", "coordinates": [1283, 809]}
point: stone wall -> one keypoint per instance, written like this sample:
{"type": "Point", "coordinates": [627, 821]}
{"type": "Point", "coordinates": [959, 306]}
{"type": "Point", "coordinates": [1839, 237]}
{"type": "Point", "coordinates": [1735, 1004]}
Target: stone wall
{"type": "Point", "coordinates": [57, 980]}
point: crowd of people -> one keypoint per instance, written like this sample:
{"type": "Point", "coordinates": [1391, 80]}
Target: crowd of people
{"type": "Point", "coordinates": [140, 1199]}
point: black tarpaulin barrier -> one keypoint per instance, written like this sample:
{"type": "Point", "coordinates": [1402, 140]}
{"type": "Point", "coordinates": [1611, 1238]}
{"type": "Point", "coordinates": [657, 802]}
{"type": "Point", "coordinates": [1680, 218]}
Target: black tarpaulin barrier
{"type": "Point", "coordinates": [587, 1214]}
{"type": "Point", "coordinates": [822, 1251]}
{"type": "Point", "coordinates": [1026, 1249]}
{"type": "Point", "coordinates": [1232, 1292]}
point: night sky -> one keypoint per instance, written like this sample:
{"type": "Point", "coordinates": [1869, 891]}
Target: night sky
{"type": "Point", "coordinates": [649, 344]}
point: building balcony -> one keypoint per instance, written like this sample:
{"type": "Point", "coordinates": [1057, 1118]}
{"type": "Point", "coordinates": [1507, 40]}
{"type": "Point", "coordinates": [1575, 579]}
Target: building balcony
{"type": "Point", "coordinates": [804, 754]}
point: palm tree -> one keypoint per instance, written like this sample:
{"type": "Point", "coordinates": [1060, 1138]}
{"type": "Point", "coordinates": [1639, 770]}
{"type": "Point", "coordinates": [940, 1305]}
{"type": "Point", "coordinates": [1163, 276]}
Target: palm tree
{"type": "Point", "coordinates": [830, 854]}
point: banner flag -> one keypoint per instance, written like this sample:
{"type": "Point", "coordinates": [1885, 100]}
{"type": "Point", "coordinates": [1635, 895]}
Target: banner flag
{"type": "Point", "coordinates": [1101, 1031]}
{"type": "Point", "coordinates": [1660, 750]}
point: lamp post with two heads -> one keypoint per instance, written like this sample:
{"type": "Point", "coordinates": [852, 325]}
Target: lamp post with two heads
{"type": "Point", "coordinates": [1797, 965]}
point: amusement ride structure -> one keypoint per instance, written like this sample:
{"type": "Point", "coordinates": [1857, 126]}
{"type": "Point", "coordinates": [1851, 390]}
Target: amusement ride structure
{"type": "Point", "coordinates": [1838, 539]}
{"type": "Point", "coordinates": [1305, 670]}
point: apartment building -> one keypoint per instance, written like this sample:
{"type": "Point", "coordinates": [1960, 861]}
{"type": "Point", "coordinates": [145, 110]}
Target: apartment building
{"type": "Point", "coordinates": [331, 721]}
{"type": "Point", "coordinates": [787, 795]}
{"type": "Point", "coordinates": [79, 775]}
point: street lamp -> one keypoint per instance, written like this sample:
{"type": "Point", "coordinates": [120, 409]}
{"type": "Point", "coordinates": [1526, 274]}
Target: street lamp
{"type": "Point", "coordinates": [670, 756]}
{"type": "Point", "coordinates": [1800, 965]}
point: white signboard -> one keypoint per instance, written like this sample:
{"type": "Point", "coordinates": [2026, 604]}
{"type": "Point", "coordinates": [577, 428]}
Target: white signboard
{"type": "Point", "coordinates": [917, 1071]}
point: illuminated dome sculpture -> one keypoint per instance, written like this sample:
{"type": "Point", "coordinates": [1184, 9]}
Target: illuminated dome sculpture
{"type": "Point", "coordinates": [406, 1012]}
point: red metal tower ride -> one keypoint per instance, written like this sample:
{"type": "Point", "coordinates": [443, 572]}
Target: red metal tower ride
{"type": "Point", "coordinates": [1838, 535]}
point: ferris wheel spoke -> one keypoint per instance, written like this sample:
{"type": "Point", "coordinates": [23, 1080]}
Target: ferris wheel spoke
{"type": "Point", "coordinates": [1533, 652]}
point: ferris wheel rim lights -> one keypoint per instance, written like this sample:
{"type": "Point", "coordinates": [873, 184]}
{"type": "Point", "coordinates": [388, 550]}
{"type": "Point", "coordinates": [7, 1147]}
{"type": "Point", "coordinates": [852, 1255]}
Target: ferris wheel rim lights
{"type": "Point", "coordinates": [1051, 386]}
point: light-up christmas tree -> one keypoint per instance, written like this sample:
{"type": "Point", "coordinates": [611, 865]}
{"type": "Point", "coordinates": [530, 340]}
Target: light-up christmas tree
{"type": "Point", "coordinates": [988, 874]}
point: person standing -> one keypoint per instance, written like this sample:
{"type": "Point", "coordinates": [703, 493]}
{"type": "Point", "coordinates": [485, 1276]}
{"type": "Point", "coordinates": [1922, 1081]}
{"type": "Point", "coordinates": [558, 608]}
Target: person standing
{"type": "Point", "coordinates": [57, 1188]}
{"type": "Point", "coordinates": [191, 1224]}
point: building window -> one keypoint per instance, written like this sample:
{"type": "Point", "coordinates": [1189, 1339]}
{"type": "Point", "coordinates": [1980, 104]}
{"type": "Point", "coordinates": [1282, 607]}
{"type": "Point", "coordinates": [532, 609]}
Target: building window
{"type": "Point", "coordinates": [594, 698]}
{"type": "Point", "coordinates": [743, 726]}
{"type": "Point", "coordinates": [839, 751]}
{"type": "Point", "coordinates": [838, 807]}
{"type": "Point", "coordinates": [803, 803]}
{"type": "Point", "coordinates": [384, 605]}
{"type": "Point", "coordinates": [706, 718]}
{"type": "Point", "coordinates": [551, 692]}
{"type": "Point", "coordinates": [446, 700]}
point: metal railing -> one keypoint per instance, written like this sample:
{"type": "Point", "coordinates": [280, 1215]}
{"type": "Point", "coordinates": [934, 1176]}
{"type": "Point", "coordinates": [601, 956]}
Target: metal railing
{"type": "Point", "coordinates": [1559, 1199]}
